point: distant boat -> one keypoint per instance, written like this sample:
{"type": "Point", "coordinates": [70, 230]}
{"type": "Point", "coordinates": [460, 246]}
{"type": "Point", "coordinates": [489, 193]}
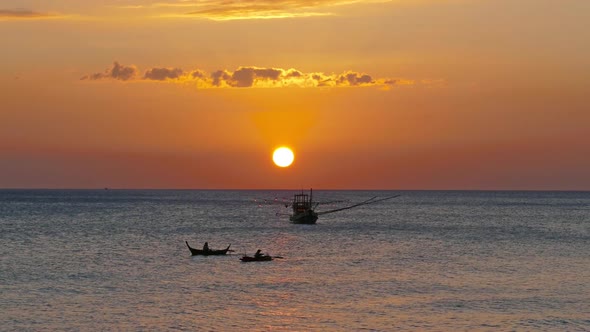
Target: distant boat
{"type": "Point", "coordinates": [263, 258]}
{"type": "Point", "coordinates": [209, 252]}
{"type": "Point", "coordinates": [304, 207]}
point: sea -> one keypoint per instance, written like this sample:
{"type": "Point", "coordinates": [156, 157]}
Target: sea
{"type": "Point", "coordinates": [116, 260]}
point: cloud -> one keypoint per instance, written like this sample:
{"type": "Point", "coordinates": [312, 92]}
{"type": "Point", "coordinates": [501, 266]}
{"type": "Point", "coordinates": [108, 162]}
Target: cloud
{"type": "Point", "coordinates": [220, 76]}
{"type": "Point", "coordinates": [245, 76]}
{"type": "Point", "coordinates": [217, 10]}
{"type": "Point", "coordinates": [198, 74]}
{"type": "Point", "coordinates": [223, 10]}
{"type": "Point", "coordinates": [355, 78]}
{"type": "Point", "coordinates": [249, 77]}
{"type": "Point", "coordinates": [117, 72]}
{"type": "Point", "coordinates": [24, 14]}
{"type": "Point", "coordinates": [253, 11]}
{"type": "Point", "coordinates": [161, 74]}
{"type": "Point", "coordinates": [293, 73]}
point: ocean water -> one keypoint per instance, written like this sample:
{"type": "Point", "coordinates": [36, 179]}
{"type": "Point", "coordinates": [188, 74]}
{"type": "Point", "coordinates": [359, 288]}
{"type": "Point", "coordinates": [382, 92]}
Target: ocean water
{"type": "Point", "coordinates": [115, 260]}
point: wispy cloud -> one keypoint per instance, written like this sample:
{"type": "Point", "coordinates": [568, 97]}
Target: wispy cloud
{"type": "Point", "coordinates": [218, 10]}
{"type": "Point", "coordinates": [24, 14]}
{"type": "Point", "coordinates": [247, 77]}
{"type": "Point", "coordinates": [222, 10]}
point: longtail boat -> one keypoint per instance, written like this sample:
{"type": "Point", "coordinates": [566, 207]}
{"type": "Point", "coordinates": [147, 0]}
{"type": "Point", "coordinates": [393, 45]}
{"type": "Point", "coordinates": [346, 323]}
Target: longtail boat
{"type": "Point", "coordinates": [209, 252]}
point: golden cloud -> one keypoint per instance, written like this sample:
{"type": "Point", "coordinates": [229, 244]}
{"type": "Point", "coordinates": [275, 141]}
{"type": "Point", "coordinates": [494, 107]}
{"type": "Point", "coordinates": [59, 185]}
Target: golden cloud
{"type": "Point", "coordinates": [246, 77]}
{"type": "Point", "coordinates": [221, 10]}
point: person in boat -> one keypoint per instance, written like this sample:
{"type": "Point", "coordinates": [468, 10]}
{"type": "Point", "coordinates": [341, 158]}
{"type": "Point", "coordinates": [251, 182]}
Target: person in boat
{"type": "Point", "coordinates": [206, 247]}
{"type": "Point", "coordinates": [258, 254]}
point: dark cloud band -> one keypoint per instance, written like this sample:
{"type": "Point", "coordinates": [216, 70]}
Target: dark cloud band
{"type": "Point", "coordinates": [117, 72]}
{"type": "Point", "coordinates": [244, 77]}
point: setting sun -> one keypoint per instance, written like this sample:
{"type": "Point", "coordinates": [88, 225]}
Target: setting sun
{"type": "Point", "coordinates": [283, 156]}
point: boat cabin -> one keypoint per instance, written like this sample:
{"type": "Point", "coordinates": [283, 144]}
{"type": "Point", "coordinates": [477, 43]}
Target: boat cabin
{"type": "Point", "coordinates": [301, 203]}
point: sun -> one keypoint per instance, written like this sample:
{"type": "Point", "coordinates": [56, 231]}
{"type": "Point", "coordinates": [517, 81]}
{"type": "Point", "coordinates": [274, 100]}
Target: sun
{"type": "Point", "coordinates": [283, 156]}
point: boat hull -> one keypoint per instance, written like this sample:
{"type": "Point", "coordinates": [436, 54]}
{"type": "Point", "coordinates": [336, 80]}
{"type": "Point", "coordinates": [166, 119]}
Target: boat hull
{"type": "Point", "coordinates": [308, 217]}
{"type": "Point", "coordinates": [199, 252]}
{"type": "Point", "coordinates": [256, 259]}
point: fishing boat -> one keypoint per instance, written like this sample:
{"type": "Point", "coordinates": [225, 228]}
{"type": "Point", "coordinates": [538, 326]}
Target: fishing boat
{"type": "Point", "coordinates": [304, 207]}
{"type": "Point", "coordinates": [210, 252]}
{"type": "Point", "coordinates": [263, 258]}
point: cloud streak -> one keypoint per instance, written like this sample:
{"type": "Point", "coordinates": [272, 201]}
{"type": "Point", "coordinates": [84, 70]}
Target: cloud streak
{"type": "Point", "coordinates": [246, 77]}
{"type": "Point", "coordinates": [217, 10]}
{"type": "Point", "coordinates": [23, 14]}
{"type": "Point", "coordinates": [222, 10]}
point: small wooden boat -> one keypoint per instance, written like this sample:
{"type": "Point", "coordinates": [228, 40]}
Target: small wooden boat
{"type": "Point", "coordinates": [263, 258]}
{"type": "Point", "coordinates": [209, 252]}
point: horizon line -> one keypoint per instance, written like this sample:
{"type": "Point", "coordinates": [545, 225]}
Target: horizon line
{"type": "Point", "coordinates": [293, 189]}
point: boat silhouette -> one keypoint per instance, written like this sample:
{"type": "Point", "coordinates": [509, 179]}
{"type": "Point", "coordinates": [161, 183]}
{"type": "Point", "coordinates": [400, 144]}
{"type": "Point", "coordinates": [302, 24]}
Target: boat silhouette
{"type": "Point", "coordinates": [304, 207]}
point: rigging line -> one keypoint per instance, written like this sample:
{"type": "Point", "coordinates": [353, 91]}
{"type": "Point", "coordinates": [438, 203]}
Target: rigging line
{"type": "Point", "coordinates": [369, 201]}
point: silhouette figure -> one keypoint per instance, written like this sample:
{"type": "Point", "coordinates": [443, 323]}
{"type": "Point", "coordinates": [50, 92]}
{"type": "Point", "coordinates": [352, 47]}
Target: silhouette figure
{"type": "Point", "coordinates": [258, 254]}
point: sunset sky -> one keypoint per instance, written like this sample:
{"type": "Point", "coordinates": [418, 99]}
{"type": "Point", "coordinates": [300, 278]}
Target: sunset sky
{"type": "Point", "coordinates": [400, 94]}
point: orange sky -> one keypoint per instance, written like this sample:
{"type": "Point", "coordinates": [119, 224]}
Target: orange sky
{"type": "Point", "coordinates": [404, 94]}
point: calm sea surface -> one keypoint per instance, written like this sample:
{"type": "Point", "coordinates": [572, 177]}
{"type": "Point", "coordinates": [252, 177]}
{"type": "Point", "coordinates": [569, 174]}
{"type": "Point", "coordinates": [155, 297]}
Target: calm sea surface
{"type": "Point", "coordinates": [426, 261]}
